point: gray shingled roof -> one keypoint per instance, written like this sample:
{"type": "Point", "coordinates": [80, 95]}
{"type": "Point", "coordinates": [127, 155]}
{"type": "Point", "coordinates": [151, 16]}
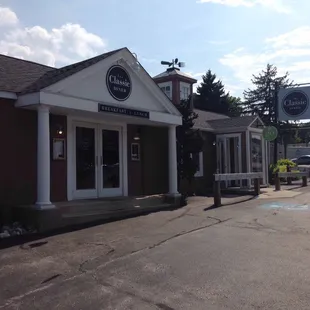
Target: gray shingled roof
{"type": "Point", "coordinates": [215, 121]}
{"type": "Point", "coordinates": [57, 75]}
{"type": "Point", "coordinates": [175, 71]}
{"type": "Point", "coordinates": [22, 76]}
{"type": "Point", "coordinates": [17, 74]}
{"type": "Point", "coordinates": [204, 118]}
{"type": "Point", "coordinates": [243, 121]}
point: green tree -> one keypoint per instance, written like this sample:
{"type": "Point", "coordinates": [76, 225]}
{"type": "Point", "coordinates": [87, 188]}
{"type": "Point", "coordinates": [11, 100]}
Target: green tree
{"type": "Point", "coordinates": [260, 100]}
{"type": "Point", "coordinates": [236, 106]}
{"type": "Point", "coordinates": [211, 95]}
{"type": "Point", "coordinates": [189, 142]}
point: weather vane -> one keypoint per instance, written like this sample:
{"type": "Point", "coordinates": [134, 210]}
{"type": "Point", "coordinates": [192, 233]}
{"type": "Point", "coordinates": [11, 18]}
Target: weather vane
{"type": "Point", "coordinates": [173, 63]}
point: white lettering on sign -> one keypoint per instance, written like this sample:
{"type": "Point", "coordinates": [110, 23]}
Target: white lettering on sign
{"type": "Point", "coordinates": [114, 80]}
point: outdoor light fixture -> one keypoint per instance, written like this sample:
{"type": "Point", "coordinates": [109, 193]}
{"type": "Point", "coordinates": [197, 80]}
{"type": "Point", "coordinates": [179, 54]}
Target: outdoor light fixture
{"type": "Point", "coordinates": [137, 135]}
{"type": "Point", "coordinates": [59, 130]}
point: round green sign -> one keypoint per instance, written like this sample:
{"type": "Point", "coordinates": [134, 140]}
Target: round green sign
{"type": "Point", "coordinates": [270, 133]}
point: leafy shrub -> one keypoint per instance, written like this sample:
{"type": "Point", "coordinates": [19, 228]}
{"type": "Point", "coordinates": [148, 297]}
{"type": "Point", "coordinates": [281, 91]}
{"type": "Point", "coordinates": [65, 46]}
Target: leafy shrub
{"type": "Point", "coordinates": [281, 165]}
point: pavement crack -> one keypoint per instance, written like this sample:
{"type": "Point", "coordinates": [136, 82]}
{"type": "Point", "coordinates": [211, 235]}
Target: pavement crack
{"type": "Point", "coordinates": [146, 300]}
{"type": "Point", "coordinates": [219, 221]}
{"type": "Point", "coordinates": [81, 266]}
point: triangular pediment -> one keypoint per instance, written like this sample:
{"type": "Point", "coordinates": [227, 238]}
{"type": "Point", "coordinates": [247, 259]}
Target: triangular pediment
{"type": "Point", "coordinates": [116, 80]}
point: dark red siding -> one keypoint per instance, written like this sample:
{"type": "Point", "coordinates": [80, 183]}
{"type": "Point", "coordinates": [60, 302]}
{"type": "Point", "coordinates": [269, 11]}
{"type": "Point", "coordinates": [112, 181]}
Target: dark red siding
{"type": "Point", "coordinates": [135, 186]}
{"type": "Point", "coordinates": [18, 157]}
{"type": "Point", "coordinates": [58, 167]}
{"type": "Point", "coordinates": [18, 154]}
{"type": "Point", "coordinates": [149, 175]}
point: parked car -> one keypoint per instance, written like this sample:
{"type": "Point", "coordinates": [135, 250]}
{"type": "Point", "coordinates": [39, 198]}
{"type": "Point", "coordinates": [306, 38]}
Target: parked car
{"type": "Point", "coordinates": [302, 160]}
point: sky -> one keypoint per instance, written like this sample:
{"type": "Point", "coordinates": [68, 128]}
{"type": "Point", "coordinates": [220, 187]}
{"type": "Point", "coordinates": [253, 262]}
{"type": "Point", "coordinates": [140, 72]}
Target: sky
{"type": "Point", "coordinates": [233, 38]}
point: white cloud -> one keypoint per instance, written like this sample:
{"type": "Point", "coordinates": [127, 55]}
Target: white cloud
{"type": "Point", "coordinates": [63, 45]}
{"type": "Point", "coordinates": [7, 17]}
{"type": "Point", "coordinates": [299, 37]}
{"type": "Point", "coordinates": [289, 52]}
{"type": "Point", "coordinates": [276, 5]}
{"type": "Point", "coordinates": [219, 42]}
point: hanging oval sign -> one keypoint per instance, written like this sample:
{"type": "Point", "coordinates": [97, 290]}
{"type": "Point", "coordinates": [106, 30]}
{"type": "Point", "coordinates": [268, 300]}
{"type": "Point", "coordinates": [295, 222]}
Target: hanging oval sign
{"type": "Point", "coordinates": [270, 133]}
{"type": "Point", "coordinates": [118, 83]}
{"type": "Point", "coordinates": [295, 103]}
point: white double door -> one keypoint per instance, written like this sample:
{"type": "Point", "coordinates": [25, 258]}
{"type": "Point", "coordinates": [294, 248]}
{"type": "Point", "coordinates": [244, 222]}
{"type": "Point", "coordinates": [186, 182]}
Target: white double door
{"type": "Point", "coordinates": [98, 169]}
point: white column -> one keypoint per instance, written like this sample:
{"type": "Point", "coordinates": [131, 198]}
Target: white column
{"type": "Point", "coordinates": [43, 159]}
{"type": "Point", "coordinates": [173, 168]}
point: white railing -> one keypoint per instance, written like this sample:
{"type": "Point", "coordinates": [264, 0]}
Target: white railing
{"type": "Point", "coordinates": [238, 176]}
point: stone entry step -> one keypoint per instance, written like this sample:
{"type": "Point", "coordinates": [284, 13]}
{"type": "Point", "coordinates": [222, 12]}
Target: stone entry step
{"type": "Point", "coordinates": [91, 210]}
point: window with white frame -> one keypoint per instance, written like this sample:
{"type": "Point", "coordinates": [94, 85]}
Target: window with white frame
{"type": "Point", "coordinates": [198, 159]}
{"type": "Point", "coordinates": [184, 91]}
{"type": "Point", "coordinates": [166, 88]}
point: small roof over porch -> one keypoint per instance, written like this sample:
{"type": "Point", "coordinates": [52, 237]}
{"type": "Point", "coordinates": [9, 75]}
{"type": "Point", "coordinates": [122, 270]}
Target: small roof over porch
{"type": "Point", "coordinates": [220, 124]}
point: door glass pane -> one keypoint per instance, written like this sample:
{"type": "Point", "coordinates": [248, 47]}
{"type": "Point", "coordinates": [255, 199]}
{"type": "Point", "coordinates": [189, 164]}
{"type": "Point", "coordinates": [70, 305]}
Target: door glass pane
{"type": "Point", "coordinates": [85, 158]}
{"type": "Point", "coordinates": [110, 159]}
{"type": "Point", "coordinates": [257, 154]}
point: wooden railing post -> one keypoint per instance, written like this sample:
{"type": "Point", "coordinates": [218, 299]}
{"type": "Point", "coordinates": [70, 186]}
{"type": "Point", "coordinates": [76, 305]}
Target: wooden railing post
{"type": "Point", "coordinates": [277, 182]}
{"type": "Point", "coordinates": [304, 180]}
{"type": "Point", "coordinates": [217, 193]}
{"type": "Point", "coordinates": [289, 179]}
{"type": "Point", "coordinates": [256, 187]}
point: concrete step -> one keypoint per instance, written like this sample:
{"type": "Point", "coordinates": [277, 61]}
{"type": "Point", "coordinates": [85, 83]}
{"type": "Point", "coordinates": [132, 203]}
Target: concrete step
{"type": "Point", "coordinates": [83, 217]}
{"type": "Point", "coordinates": [111, 205]}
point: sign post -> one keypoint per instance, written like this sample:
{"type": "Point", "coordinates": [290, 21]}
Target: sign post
{"type": "Point", "coordinates": [276, 117]}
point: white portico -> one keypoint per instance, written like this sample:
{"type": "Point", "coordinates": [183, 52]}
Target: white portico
{"type": "Point", "coordinates": [99, 99]}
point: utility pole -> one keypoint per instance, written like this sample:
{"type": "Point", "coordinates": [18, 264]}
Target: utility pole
{"type": "Point", "coordinates": [275, 142]}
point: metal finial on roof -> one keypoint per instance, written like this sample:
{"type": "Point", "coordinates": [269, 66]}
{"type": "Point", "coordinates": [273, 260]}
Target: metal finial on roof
{"type": "Point", "coordinates": [175, 62]}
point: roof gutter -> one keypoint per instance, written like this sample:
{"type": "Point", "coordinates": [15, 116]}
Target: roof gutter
{"type": "Point", "coordinates": [8, 95]}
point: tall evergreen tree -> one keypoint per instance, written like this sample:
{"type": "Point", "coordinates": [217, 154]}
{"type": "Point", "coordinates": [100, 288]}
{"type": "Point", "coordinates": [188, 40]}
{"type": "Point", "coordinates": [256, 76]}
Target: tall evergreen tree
{"type": "Point", "coordinates": [211, 96]}
{"type": "Point", "coordinates": [260, 100]}
{"type": "Point", "coordinates": [235, 106]}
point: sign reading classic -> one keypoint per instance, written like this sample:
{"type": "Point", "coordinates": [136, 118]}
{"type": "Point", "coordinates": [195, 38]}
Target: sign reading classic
{"type": "Point", "coordinates": [294, 103]}
{"type": "Point", "coordinates": [118, 83]}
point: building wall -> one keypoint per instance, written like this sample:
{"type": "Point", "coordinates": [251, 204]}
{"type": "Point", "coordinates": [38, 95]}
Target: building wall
{"type": "Point", "coordinates": [18, 154]}
{"type": "Point", "coordinates": [135, 185]}
{"type": "Point", "coordinates": [155, 160]}
{"type": "Point", "coordinates": [149, 175]}
{"type": "Point", "coordinates": [58, 167]}
{"type": "Point", "coordinates": [18, 159]}
{"type": "Point", "coordinates": [204, 184]}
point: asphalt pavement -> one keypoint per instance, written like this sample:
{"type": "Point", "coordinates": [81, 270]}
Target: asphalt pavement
{"type": "Point", "coordinates": [251, 255]}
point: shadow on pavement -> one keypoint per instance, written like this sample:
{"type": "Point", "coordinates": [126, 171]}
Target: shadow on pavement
{"type": "Point", "coordinates": [233, 202]}
{"type": "Point", "coordinates": [27, 238]}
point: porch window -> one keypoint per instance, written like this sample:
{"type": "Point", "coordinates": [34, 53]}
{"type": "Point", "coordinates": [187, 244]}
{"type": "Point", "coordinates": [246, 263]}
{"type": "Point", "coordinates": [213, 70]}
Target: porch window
{"type": "Point", "coordinates": [185, 92]}
{"type": "Point", "coordinates": [198, 159]}
{"type": "Point", "coordinates": [167, 91]}
{"type": "Point", "coordinates": [257, 153]}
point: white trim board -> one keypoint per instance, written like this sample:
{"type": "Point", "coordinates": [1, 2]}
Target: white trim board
{"type": "Point", "coordinates": [8, 95]}
{"type": "Point", "coordinates": [72, 103]}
